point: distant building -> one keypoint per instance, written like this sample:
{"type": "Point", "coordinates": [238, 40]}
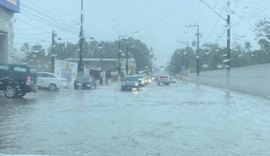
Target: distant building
{"type": "Point", "coordinates": [108, 65]}
{"type": "Point", "coordinates": [7, 10]}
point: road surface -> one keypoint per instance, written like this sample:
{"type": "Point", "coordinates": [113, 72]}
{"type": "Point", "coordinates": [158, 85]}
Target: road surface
{"type": "Point", "coordinates": [180, 119]}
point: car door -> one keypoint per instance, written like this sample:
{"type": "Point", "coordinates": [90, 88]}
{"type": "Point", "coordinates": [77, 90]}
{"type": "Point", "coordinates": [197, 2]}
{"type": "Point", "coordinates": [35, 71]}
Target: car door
{"type": "Point", "coordinates": [48, 79]}
{"type": "Point", "coordinates": [40, 79]}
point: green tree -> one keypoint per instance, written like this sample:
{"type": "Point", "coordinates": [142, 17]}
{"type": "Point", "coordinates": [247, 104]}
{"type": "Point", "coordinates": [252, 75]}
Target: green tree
{"type": "Point", "coordinates": [36, 57]}
{"type": "Point", "coordinates": [139, 50]}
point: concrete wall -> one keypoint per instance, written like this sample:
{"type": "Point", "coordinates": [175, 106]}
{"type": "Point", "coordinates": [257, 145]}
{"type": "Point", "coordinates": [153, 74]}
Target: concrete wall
{"type": "Point", "coordinates": [250, 79]}
{"type": "Point", "coordinates": [6, 28]}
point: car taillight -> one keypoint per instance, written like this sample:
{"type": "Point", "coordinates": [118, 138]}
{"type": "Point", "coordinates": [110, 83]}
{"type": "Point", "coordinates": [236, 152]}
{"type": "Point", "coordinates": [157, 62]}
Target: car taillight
{"type": "Point", "coordinates": [28, 80]}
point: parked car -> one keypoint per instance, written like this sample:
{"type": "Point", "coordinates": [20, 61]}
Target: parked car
{"type": "Point", "coordinates": [17, 80]}
{"type": "Point", "coordinates": [130, 82]}
{"type": "Point", "coordinates": [51, 81]}
{"type": "Point", "coordinates": [163, 80]}
{"type": "Point", "coordinates": [85, 82]}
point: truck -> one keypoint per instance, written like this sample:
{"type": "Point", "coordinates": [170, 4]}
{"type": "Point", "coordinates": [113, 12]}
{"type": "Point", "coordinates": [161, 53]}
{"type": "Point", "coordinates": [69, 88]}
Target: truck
{"type": "Point", "coordinates": [163, 80]}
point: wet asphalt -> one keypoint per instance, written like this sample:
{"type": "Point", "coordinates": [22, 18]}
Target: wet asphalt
{"type": "Point", "coordinates": [180, 119]}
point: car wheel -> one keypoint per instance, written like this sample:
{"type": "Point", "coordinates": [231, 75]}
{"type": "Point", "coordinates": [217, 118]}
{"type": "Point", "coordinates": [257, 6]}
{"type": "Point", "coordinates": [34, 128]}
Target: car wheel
{"type": "Point", "coordinates": [10, 91]}
{"type": "Point", "coordinates": [20, 95]}
{"type": "Point", "coordinates": [52, 87]}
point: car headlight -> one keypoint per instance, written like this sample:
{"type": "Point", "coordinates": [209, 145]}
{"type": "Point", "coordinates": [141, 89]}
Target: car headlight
{"type": "Point", "coordinates": [136, 84]}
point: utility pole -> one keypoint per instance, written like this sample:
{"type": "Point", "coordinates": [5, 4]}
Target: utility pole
{"type": "Point", "coordinates": [197, 51]}
{"type": "Point", "coordinates": [228, 56]}
{"type": "Point", "coordinates": [53, 52]}
{"type": "Point", "coordinates": [80, 64]}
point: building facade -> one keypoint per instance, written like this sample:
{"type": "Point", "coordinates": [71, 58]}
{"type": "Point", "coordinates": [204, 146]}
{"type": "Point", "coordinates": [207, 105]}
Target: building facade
{"type": "Point", "coordinates": [108, 65]}
{"type": "Point", "coordinates": [7, 10]}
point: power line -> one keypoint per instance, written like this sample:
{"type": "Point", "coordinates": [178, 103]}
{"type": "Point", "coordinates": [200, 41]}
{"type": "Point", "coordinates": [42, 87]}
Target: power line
{"type": "Point", "coordinates": [47, 22]}
{"type": "Point", "coordinates": [195, 13]}
{"type": "Point", "coordinates": [32, 34]}
{"type": "Point", "coordinates": [213, 28]}
{"type": "Point", "coordinates": [220, 36]}
{"type": "Point", "coordinates": [191, 10]}
{"type": "Point", "coordinates": [200, 13]}
{"type": "Point", "coordinates": [46, 14]}
{"type": "Point", "coordinates": [31, 25]}
{"type": "Point", "coordinates": [213, 10]}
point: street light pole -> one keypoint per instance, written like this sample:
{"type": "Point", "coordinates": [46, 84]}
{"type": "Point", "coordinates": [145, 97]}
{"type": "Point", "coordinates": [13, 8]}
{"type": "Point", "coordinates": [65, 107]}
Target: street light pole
{"type": "Point", "coordinates": [101, 65]}
{"type": "Point", "coordinates": [101, 61]}
{"type": "Point", "coordinates": [119, 57]}
{"type": "Point", "coordinates": [119, 53]}
{"type": "Point", "coordinates": [127, 66]}
{"type": "Point", "coordinates": [53, 52]}
{"type": "Point", "coordinates": [187, 57]}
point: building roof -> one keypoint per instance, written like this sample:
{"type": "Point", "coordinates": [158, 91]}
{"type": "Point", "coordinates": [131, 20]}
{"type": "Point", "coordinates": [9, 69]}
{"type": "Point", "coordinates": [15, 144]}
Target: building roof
{"type": "Point", "coordinates": [95, 59]}
{"type": "Point", "coordinates": [12, 5]}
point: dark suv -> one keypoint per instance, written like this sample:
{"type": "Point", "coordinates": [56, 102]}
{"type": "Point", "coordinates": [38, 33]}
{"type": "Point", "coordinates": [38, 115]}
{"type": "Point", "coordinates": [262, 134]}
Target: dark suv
{"type": "Point", "coordinates": [130, 82]}
{"type": "Point", "coordinates": [17, 80]}
{"type": "Point", "coordinates": [85, 82]}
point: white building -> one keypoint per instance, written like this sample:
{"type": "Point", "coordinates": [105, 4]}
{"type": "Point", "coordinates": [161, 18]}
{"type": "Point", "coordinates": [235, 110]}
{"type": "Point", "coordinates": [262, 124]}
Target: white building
{"type": "Point", "coordinates": [7, 10]}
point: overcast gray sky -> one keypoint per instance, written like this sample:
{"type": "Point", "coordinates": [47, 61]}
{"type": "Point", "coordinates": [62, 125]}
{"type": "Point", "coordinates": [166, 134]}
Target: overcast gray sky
{"type": "Point", "coordinates": [159, 23]}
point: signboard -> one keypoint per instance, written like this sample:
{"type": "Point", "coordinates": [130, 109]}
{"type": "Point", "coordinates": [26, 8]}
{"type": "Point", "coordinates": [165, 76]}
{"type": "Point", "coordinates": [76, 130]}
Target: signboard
{"type": "Point", "coordinates": [66, 69]}
{"type": "Point", "coordinates": [13, 5]}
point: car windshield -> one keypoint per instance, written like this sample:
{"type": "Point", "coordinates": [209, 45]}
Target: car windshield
{"type": "Point", "coordinates": [130, 79]}
{"type": "Point", "coordinates": [134, 77]}
{"type": "Point", "coordinates": [139, 76]}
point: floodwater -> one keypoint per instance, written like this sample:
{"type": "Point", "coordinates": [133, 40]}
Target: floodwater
{"type": "Point", "coordinates": [180, 119]}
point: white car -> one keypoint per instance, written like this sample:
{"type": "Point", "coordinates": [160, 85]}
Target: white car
{"type": "Point", "coordinates": [51, 81]}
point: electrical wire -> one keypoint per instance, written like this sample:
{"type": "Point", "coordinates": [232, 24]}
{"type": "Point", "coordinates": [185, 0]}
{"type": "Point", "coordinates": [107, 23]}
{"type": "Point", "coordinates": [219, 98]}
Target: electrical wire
{"type": "Point", "coordinates": [200, 13]}
{"type": "Point", "coordinates": [195, 14]}
{"type": "Point", "coordinates": [46, 22]}
{"type": "Point", "coordinates": [46, 15]}
{"type": "Point", "coordinates": [190, 12]}
{"type": "Point", "coordinates": [30, 25]}
{"type": "Point", "coordinates": [213, 29]}
{"type": "Point", "coordinates": [213, 10]}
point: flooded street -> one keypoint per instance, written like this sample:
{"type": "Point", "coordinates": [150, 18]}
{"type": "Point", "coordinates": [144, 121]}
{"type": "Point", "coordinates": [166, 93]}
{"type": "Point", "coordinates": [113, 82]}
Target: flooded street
{"type": "Point", "coordinates": [174, 120]}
